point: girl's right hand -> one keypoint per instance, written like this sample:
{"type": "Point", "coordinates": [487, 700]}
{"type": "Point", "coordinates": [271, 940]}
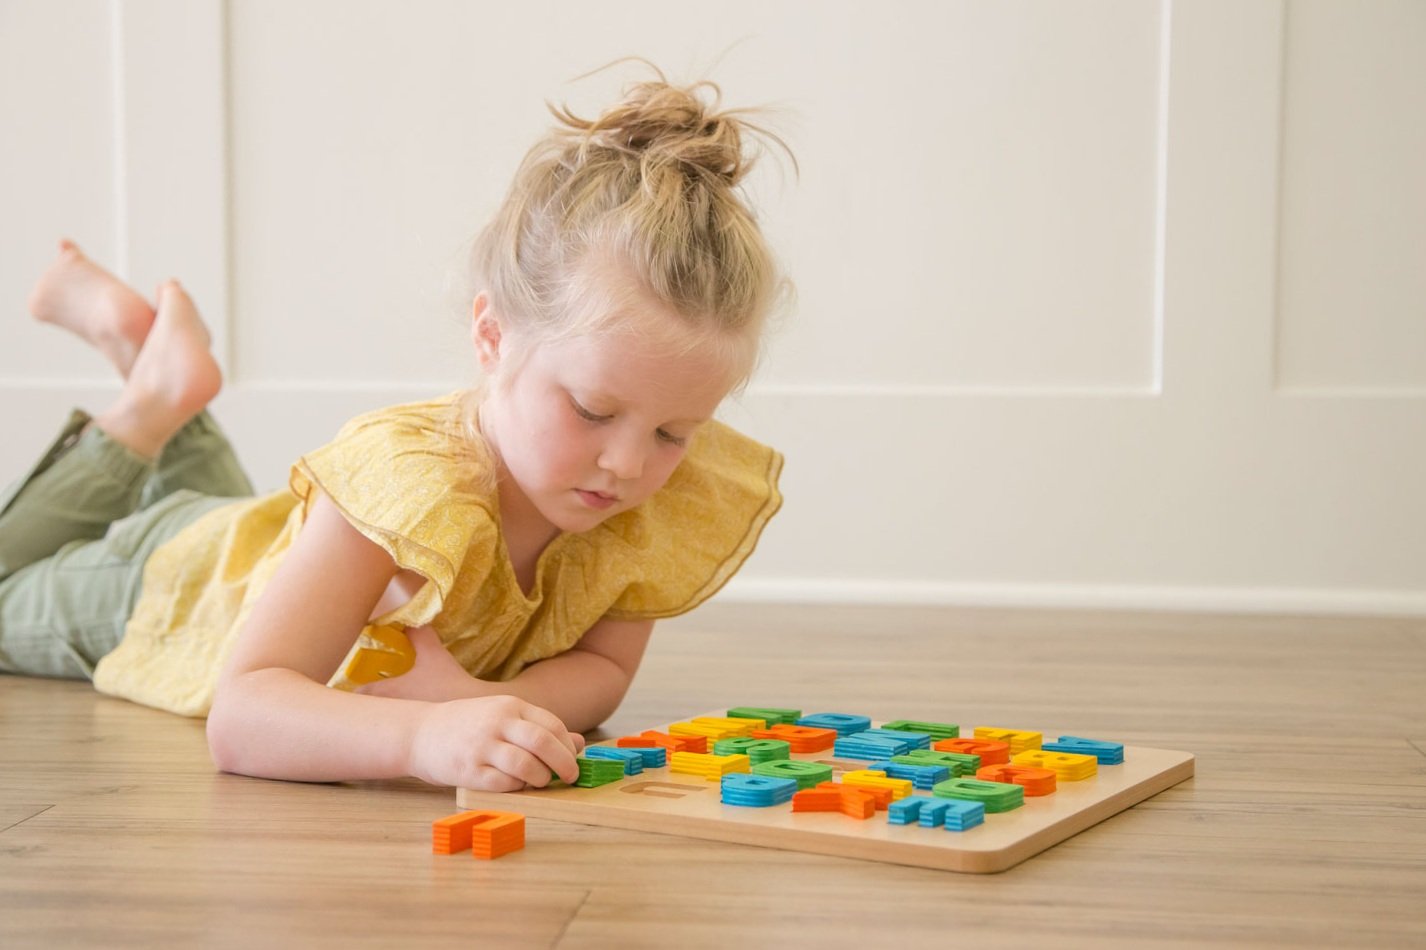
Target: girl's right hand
{"type": "Point", "coordinates": [493, 743]}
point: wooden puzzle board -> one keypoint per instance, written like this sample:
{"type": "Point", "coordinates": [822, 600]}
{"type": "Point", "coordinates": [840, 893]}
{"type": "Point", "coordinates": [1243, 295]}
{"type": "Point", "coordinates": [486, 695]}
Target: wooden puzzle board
{"type": "Point", "coordinates": [660, 801]}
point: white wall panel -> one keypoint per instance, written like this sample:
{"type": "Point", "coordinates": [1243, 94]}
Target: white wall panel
{"type": "Point", "coordinates": [977, 207]}
{"type": "Point", "coordinates": [56, 164]}
{"type": "Point", "coordinates": [1352, 312]}
{"type": "Point", "coordinates": [171, 151]}
{"type": "Point", "coordinates": [1065, 271]}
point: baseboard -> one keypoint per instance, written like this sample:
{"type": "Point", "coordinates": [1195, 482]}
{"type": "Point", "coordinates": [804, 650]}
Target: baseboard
{"type": "Point", "coordinates": [1323, 601]}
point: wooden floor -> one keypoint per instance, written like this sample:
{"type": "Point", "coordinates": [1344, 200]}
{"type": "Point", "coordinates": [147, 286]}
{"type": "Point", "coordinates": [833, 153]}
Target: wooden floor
{"type": "Point", "coordinates": [1304, 826]}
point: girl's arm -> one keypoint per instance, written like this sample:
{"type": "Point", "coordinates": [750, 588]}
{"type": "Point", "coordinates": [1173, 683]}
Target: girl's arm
{"type": "Point", "coordinates": [585, 684]}
{"type": "Point", "coordinates": [274, 717]}
{"type": "Point", "coordinates": [582, 686]}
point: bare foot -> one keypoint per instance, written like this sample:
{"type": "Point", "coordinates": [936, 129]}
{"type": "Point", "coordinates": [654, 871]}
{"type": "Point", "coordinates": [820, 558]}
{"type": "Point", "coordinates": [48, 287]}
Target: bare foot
{"type": "Point", "coordinates": [79, 295]}
{"type": "Point", "coordinates": [172, 379]}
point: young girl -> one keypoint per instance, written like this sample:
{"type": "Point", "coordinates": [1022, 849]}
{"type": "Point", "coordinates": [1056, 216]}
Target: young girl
{"type": "Point", "coordinates": [478, 574]}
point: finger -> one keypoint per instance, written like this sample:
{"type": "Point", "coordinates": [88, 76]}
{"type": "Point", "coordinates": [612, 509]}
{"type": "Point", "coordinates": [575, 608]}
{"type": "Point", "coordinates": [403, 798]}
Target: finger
{"type": "Point", "coordinates": [519, 764]}
{"type": "Point", "coordinates": [489, 778]}
{"type": "Point", "coordinates": [545, 746]}
{"type": "Point", "coordinates": [570, 742]}
{"type": "Point", "coordinates": [549, 722]}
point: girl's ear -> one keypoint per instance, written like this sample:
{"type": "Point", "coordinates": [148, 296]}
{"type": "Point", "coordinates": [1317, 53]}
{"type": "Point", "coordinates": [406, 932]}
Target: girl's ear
{"type": "Point", "coordinates": [485, 333]}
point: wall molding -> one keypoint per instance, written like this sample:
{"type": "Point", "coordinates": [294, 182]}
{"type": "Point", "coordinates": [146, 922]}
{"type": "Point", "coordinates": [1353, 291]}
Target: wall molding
{"type": "Point", "coordinates": [1300, 390]}
{"type": "Point", "coordinates": [1252, 600]}
{"type": "Point", "coordinates": [1351, 392]}
{"type": "Point", "coordinates": [777, 390]}
{"type": "Point", "coordinates": [1161, 193]}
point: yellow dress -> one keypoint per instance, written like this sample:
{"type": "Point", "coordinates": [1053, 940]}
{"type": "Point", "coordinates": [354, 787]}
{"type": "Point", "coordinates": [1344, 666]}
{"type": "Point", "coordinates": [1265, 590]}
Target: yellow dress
{"type": "Point", "coordinates": [408, 479]}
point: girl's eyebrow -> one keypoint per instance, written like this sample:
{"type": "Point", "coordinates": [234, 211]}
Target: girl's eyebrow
{"type": "Point", "coordinates": [606, 401]}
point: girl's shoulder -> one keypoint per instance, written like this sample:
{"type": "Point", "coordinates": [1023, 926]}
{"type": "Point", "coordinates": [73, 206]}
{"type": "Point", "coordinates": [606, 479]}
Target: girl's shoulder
{"type": "Point", "coordinates": [684, 543]}
{"type": "Point", "coordinates": [410, 480]}
{"type": "Point", "coordinates": [424, 441]}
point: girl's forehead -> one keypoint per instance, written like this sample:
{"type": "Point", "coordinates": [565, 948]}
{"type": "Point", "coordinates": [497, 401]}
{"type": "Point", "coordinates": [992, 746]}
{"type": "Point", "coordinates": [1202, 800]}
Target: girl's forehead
{"type": "Point", "coordinates": [633, 367]}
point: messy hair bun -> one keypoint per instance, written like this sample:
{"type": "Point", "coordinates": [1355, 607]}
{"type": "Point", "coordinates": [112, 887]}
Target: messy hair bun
{"type": "Point", "coordinates": [650, 186]}
{"type": "Point", "coordinates": [668, 127]}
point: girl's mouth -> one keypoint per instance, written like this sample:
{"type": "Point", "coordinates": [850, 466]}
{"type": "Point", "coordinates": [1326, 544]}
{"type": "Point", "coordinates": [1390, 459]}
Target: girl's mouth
{"type": "Point", "coordinates": [596, 500]}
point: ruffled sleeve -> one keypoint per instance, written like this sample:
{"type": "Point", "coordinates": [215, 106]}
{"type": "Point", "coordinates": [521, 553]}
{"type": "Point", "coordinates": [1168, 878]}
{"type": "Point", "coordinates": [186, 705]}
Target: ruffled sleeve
{"type": "Point", "coordinates": [683, 544]}
{"type": "Point", "coordinates": [404, 478]}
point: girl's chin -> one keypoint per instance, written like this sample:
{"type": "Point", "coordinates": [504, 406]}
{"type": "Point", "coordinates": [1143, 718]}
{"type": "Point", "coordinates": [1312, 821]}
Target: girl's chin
{"type": "Point", "coordinates": [578, 517]}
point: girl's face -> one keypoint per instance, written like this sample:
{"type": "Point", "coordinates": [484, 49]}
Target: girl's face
{"type": "Point", "coordinates": [589, 427]}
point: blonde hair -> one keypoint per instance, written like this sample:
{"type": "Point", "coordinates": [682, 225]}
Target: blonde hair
{"type": "Point", "coordinates": [652, 187]}
{"type": "Point", "coordinates": [650, 190]}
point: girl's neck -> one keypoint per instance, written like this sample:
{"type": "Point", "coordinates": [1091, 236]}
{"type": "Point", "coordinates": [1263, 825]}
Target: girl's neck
{"type": "Point", "coordinates": [525, 531]}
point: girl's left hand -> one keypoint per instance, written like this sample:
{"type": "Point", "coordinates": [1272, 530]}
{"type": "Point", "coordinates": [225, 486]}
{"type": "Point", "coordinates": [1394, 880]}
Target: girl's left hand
{"type": "Point", "coordinates": [435, 676]}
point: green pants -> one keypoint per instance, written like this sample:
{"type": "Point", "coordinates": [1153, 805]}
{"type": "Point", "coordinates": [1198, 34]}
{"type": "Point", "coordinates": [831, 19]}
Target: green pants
{"type": "Point", "coordinates": [76, 530]}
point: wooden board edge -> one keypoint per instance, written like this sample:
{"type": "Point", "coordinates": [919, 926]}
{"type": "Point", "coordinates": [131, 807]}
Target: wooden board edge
{"type": "Point", "coordinates": [837, 845]}
{"type": "Point", "coordinates": [713, 829]}
{"type": "Point", "coordinates": [1071, 825]}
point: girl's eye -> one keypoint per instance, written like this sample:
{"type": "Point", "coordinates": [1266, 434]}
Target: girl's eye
{"type": "Point", "coordinates": [671, 439]}
{"type": "Point", "coordinates": [584, 413]}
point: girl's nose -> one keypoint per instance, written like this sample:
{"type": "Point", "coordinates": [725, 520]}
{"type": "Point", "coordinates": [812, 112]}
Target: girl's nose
{"type": "Point", "coordinates": [623, 458]}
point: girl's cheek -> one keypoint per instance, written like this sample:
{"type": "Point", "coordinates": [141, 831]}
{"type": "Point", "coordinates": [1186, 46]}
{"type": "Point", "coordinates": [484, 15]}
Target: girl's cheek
{"type": "Point", "coordinates": [557, 422]}
{"type": "Point", "coordinates": [666, 468]}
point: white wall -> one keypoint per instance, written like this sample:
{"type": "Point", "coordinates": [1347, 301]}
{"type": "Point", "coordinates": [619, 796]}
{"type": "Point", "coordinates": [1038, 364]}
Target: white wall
{"type": "Point", "coordinates": [1101, 303]}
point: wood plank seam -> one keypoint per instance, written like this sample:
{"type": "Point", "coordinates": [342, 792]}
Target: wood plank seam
{"type": "Point", "coordinates": [559, 938]}
{"type": "Point", "coordinates": [16, 824]}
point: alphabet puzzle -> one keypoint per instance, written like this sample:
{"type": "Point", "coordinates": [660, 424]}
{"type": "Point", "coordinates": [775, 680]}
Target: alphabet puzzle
{"type": "Point", "coordinates": [901, 791]}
